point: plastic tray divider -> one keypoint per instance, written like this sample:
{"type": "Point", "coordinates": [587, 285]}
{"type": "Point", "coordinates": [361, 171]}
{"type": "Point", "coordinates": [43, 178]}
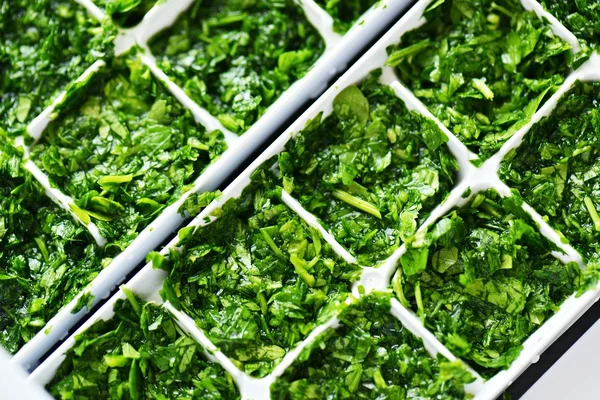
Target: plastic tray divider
{"type": "Point", "coordinates": [557, 27]}
{"type": "Point", "coordinates": [64, 201]}
{"type": "Point", "coordinates": [321, 21]}
{"type": "Point", "coordinates": [312, 221]}
{"type": "Point", "coordinates": [201, 115]}
{"type": "Point", "coordinates": [92, 8]}
{"type": "Point", "coordinates": [411, 322]}
{"type": "Point", "coordinates": [476, 179]}
{"type": "Point", "coordinates": [38, 125]}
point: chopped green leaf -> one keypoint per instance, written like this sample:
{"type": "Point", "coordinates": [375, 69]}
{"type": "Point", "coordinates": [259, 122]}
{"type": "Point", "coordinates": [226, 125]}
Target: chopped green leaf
{"type": "Point", "coordinates": [482, 67]}
{"type": "Point", "coordinates": [140, 353]}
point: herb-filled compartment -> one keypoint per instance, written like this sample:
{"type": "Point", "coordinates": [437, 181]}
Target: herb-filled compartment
{"type": "Point", "coordinates": [483, 68]}
{"type": "Point", "coordinates": [47, 258]}
{"type": "Point", "coordinates": [235, 60]}
{"type": "Point", "coordinates": [371, 172]}
{"type": "Point", "coordinates": [45, 46]}
{"type": "Point", "coordinates": [124, 149]}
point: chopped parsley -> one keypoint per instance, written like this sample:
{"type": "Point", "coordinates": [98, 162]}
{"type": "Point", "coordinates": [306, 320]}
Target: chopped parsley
{"type": "Point", "coordinates": [560, 160]}
{"type": "Point", "coordinates": [46, 257]}
{"type": "Point", "coordinates": [235, 58]}
{"type": "Point", "coordinates": [127, 13]}
{"type": "Point", "coordinates": [371, 356]}
{"type": "Point", "coordinates": [482, 67]}
{"type": "Point", "coordinates": [46, 44]}
{"type": "Point", "coordinates": [581, 17]}
{"type": "Point", "coordinates": [124, 149]}
{"type": "Point", "coordinates": [345, 12]}
{"type": "Point", "coordinates": [483, 279]}
{"type": "Point", "coordinates": [257, 280]}
{"type": "Point", "coordinates": [140, 353]}
{"type": "Point", "coordinates": [371, 172]}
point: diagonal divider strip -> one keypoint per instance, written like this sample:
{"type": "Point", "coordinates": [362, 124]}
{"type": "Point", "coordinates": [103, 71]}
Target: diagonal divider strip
{"type": "Point", "coordinates": [557, 27]}
{"type": "Point", "coordinates": [35, 129]}
{"type": "Point", "coordinates": [411, 322]}
{"type": "Point", "coordinates": [322, 21]}
{"type": "Point", "coordinates": [312, 221]}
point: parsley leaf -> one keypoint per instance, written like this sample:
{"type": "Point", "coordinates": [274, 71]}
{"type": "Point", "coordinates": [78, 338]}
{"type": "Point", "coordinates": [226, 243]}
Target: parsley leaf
{"type": "Point", "coordinates": [581, 17]}
{"type": "Point", "coordinates": [127, 13]}
{"type": "Point", "coordinates": [124, 149]}
{"type": "Point", "coordinates": [46, 44]}
{"type": "Point", "coordinates": [46, 257]}
{"type": "Point", "coordinates": [257, 280]}
{"type": "Point", "coordinates": [560, 160]}
{"type": "Point", "coordinates": [345, 12]}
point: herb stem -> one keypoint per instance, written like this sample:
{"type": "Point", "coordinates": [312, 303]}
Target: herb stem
{"type": "Point", "coordinates": [132, 300]}
{"type": "Point", "coordinates": [483, 88]}
{"type": "Point", "coordinates": [397, 286]}
{"type": "Point", "coordinates": [271, 243]}
{"type": "Point", "coordinates": [589, 204]}
{"type": "Point", "coordinates": [419, 299]}
{"type": "Point", "coordinates": [356, 202]}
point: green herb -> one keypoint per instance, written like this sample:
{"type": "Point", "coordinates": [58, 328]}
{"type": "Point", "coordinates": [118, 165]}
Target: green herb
{"type": "Point", "coordinates": [345, 13]}
{"type": "Point", "coordinates": [140, 353]}
{"type": "Point", "coordinates": [483, 279]}
{"type": "Point", "coordinates": [235, 58]}
{"type": "Point", "coordinates": [124, 150]}
{"type": "Point", "coordinates": [371, 172]}
{"type": "Point", "coordinates": [581, 17]}
{"type": "Point", "coordinates": [45, 45]}
{"type": "Point", "coordinates": [557, 168]}
{"type": "Point", "coordinates": [127, 13]}
{"type": "Point", "coordinates": [371, 356]}
{"type": "Point", "coordinates": [257, 280]}
{"type": "Point", "coordinates": [46, 257]}
{"type": "Point", "coordinates": [482, 67]}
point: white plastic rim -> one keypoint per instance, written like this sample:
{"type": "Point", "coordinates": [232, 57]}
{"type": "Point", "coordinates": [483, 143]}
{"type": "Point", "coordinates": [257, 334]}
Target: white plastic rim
{"type": "Point", "coordinates": [339, 52]}
{"type": "Point", "coordinates": [148, 281]}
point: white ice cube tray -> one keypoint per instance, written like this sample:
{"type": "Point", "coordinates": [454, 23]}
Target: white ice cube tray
{"type": "Point", "coordinates": [148, 281]}
{"type": "Point", "coordinates": [339, 50]}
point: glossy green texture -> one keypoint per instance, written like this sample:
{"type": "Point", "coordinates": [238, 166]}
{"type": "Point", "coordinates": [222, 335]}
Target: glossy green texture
{"type": "Point", "coordinates": [257, 280]}
{"type": "Point", "coordinates": [124, 148]}
{"type": "Point", "coordinates": [46, 258]}
{"type": "Point", "coordinates": [371, 171]}
{"type": "Point", "coordinates": [560, 160]}
{"type": "Point", "coordinates": [236, 57]}
{"type": "Point", "coordinates": [127, 13]}
{"type": "Point", "coordinates": [482, 67]}
{"type": "Point", "coordinates": [483, 279]}
{"type": "Point", "coordinates": [370, 356]}
{"type": "Point", "coordinates": [581, 17]}
{"type": "Point", "coordinates": [346, 13]}
{"type": "Point", "coordinates": [45, 45]}
{"type": "Point", "coordinates": [140, 353]}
